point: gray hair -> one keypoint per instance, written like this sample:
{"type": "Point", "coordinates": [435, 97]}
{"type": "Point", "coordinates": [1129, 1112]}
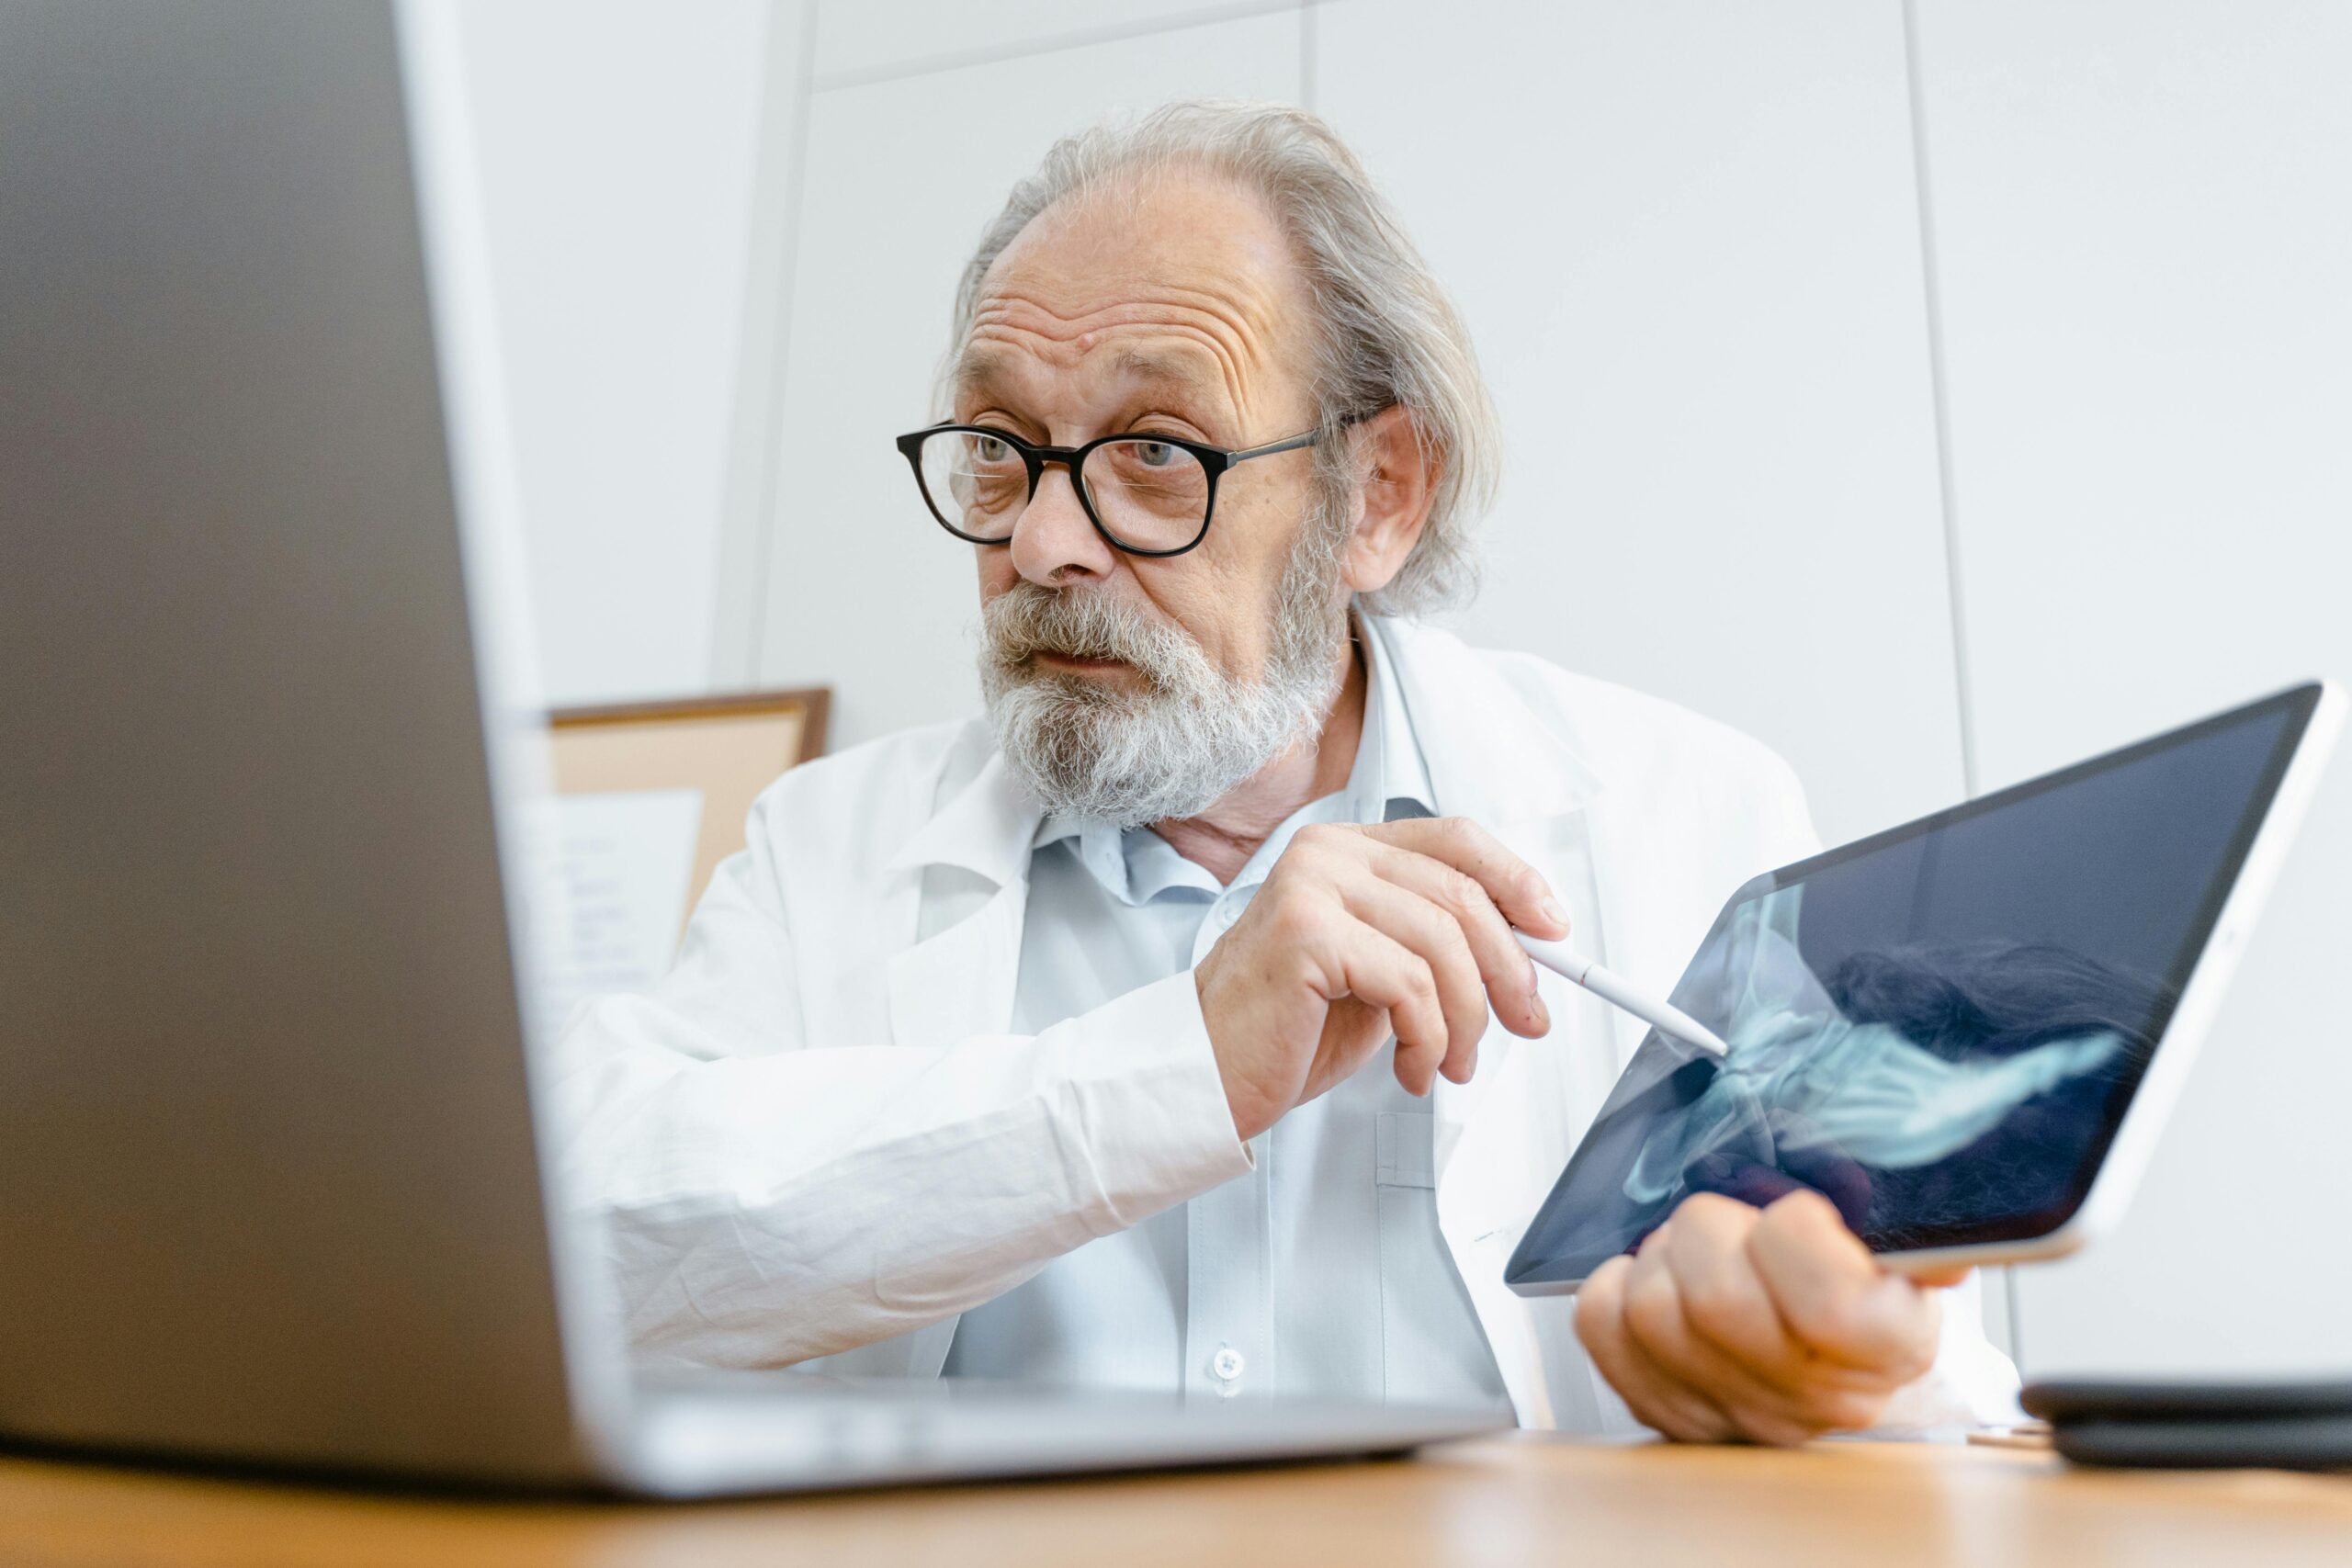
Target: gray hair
{"type": "Point", "coordinates": [1386, 335]}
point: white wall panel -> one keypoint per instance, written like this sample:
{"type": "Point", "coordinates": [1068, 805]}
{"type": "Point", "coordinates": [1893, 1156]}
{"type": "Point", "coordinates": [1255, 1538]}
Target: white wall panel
{"type": "Point", "coordinates": [867, 592]}
{"type": "Point", "coordinates": [617, 149]}
{"type": "Point", "coordinates": [862, 37]}
{"type": "Point", "coordinates": [2144, 210]}
{"type": "Point", "coordinates": [1686, 239]}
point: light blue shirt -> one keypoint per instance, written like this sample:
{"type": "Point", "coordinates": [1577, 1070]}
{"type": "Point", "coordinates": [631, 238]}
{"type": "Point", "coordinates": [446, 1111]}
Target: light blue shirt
{"type": "Point", "coordinates": [1319, 1271]}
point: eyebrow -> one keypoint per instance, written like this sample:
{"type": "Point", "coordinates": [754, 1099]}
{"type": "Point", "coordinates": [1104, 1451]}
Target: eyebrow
{"type": "Point", "coordinates": [974, 369]}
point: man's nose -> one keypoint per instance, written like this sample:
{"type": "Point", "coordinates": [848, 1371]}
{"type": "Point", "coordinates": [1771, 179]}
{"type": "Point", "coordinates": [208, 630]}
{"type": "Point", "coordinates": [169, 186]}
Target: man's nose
{"type": "Point", "coordinates": [1053, 543]}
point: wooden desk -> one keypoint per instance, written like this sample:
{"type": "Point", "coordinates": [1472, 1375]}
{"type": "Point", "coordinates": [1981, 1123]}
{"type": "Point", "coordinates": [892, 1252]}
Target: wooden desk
{"type": "Point", "coordinates": [1519, 1499]}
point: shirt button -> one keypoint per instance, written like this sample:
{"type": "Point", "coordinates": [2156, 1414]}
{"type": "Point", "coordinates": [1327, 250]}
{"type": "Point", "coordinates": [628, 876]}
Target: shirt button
{"type": "Point", "coordinates": [1226, 1366]}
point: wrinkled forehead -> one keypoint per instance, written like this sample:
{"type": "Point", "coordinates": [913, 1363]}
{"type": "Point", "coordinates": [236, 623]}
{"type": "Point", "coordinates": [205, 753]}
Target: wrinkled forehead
{"type": "Point", "coordinates": [1182, 288]}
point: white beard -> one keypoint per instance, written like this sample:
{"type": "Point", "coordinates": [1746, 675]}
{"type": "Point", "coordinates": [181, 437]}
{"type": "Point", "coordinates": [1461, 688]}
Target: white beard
{"type": "Point", "coordinates": [1173, 749]}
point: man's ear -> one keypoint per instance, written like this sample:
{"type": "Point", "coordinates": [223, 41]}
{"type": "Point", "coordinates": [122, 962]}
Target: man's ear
{"type": "Point", "coordinates": [1392, 505]}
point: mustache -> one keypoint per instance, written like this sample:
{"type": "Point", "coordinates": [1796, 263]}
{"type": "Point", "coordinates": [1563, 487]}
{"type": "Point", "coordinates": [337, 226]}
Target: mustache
{"type": "Point", "coordinates": [1028, 619]}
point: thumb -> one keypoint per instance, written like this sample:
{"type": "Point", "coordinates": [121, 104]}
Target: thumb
{"type": "Point", "coordinates": [1936, 1278]}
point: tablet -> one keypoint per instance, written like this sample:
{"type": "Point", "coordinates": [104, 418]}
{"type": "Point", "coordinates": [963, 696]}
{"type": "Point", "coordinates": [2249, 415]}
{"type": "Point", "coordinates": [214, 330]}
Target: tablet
{"type": "Point", "coordinates": [1965, 1031]}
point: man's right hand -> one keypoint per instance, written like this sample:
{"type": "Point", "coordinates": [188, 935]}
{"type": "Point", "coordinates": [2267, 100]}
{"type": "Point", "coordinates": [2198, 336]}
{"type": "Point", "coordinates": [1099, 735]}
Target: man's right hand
{"type": "Point", "coordinates": [1359, 934]}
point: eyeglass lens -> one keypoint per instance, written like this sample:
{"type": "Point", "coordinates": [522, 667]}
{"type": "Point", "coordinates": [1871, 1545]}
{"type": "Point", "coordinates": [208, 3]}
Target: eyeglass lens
{"type": "Point", "coordinates": [1150, 495]}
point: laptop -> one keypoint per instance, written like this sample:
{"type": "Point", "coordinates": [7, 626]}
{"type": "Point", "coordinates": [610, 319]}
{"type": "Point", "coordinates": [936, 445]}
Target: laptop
{"type": "Point", "coordinates": [274, 1190]}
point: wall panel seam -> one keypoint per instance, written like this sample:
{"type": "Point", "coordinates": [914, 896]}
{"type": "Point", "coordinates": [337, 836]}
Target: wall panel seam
{"type": "Point", "coordinates": [1938, 393]}
{"type": "Point", "coordinates": [760, 382]}
{"type": "Point", "coordinates": [1080, 38]}
{"type": "Point", "coordinates": [1308, 45]}
{"type": "Point", "coordinates": [1947, 491]}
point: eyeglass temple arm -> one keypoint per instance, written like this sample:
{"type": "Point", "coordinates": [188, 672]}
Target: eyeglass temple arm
{"type": "Point", "coordinates": [1290, 445]}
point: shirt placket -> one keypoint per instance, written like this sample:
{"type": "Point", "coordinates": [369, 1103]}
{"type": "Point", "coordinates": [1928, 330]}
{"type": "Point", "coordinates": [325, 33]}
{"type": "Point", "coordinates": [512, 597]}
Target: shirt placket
{"type": "Point", "coordinates": [1229, 1286]}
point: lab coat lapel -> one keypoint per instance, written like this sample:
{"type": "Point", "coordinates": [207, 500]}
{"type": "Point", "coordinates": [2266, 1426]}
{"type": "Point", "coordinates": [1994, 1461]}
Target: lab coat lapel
{"type": "Point", "coordinates": [961, 981]}
{"type": "Point", "coordinates": [1493, 759]}
{"type": "Point", "coordinates": [1502, 1138]}
{"type": "Point", "coordinates": [967, 895]}
{"type": "Point", "coordinates": [961, 887]}
{"type": "Point", "coordinates": [1645, 913]}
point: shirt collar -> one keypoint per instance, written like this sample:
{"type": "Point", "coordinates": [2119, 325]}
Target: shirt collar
{"type": "Point", "coordinates": [1389, 769]}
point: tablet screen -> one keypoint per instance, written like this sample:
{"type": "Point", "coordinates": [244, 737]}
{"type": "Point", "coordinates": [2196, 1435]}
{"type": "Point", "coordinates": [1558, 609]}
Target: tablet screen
{"type": "Point", "coordinates": [1939, 1028]}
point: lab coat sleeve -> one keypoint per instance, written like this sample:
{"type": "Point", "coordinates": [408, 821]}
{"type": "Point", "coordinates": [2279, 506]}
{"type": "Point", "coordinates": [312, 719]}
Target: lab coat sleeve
{"type": "Point", "coordinates": [763, 1200]}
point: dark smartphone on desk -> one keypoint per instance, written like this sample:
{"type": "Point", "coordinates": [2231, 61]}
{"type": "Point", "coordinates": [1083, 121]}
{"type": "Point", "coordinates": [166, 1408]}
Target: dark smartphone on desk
{"type": "Point", "coordinates": [2202, 1424]}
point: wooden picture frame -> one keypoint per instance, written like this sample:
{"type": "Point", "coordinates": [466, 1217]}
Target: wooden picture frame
{"type": "Point", "coordinates": [730, 748]}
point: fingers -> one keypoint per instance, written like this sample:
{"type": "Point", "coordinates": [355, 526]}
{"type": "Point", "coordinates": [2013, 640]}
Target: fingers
{"type": "Point", "coordinates": [1509, 974]}
{"type": "Point", "coordinates": [1732, 1322]}
{"type": "Point", "coordinates": [1355, 924]}
{"type": "Point", "coordinates": [1659, 1319]}
{"type": "Point", "coordinates": [1376, 968]}
{"type": "Point", "coordinates": [1757, 1322]}
{"type": "Point", "coordinates": [1362, 864]}
{"type": "Point", "coordinates": [1834, 1297]}
{"type": "Point", "coordinates": [1515, 887]}
{"type": "Point", "coordinates": [1433, 935]}
{"type": "Point", "coordinates": [1727, 1302]}
{"type": "Point", "coordinates": [1661, 1402]}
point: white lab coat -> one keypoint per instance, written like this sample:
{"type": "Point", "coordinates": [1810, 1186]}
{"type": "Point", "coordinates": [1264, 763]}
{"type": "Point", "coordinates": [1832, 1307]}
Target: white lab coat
{"type": "Point", "coordinates": [765, 1138]}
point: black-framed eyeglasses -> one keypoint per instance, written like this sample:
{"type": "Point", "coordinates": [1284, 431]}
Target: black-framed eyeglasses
{"type": "Point", "coordinates": [1149, 495]}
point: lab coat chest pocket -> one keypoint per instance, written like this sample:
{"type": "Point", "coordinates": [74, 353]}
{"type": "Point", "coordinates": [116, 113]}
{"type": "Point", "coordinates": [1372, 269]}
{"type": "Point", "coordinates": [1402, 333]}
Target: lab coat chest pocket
{"type": "Point", "coordinates": [1432, 1348]}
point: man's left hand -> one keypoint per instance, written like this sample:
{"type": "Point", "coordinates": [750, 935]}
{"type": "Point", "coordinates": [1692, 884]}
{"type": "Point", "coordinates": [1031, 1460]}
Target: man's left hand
{"type": "Point", "coordinates": [1770, 1325]}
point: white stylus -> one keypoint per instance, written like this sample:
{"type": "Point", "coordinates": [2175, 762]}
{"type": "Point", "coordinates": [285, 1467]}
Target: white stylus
{"type": "Point", "coordinates": [1613, 987]}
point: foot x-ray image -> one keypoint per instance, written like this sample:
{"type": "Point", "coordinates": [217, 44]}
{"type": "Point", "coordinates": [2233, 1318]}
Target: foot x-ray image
{"type": "Point", "coordinates": [1864, 1084]}
{"type": "Point", "coordinates": [1938, 1029]}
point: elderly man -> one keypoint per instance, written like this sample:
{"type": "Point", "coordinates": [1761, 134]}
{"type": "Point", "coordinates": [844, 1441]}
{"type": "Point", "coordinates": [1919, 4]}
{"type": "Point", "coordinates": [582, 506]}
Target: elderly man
{"type": "Point", "coordinates": [1142, 1035]}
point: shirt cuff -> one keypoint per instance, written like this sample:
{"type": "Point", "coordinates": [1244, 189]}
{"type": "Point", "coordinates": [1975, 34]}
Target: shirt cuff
{"type": "Point", "coordinates": [1972, 1384]}
{"type": "Point", "coordinates": [1147, 1104]}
